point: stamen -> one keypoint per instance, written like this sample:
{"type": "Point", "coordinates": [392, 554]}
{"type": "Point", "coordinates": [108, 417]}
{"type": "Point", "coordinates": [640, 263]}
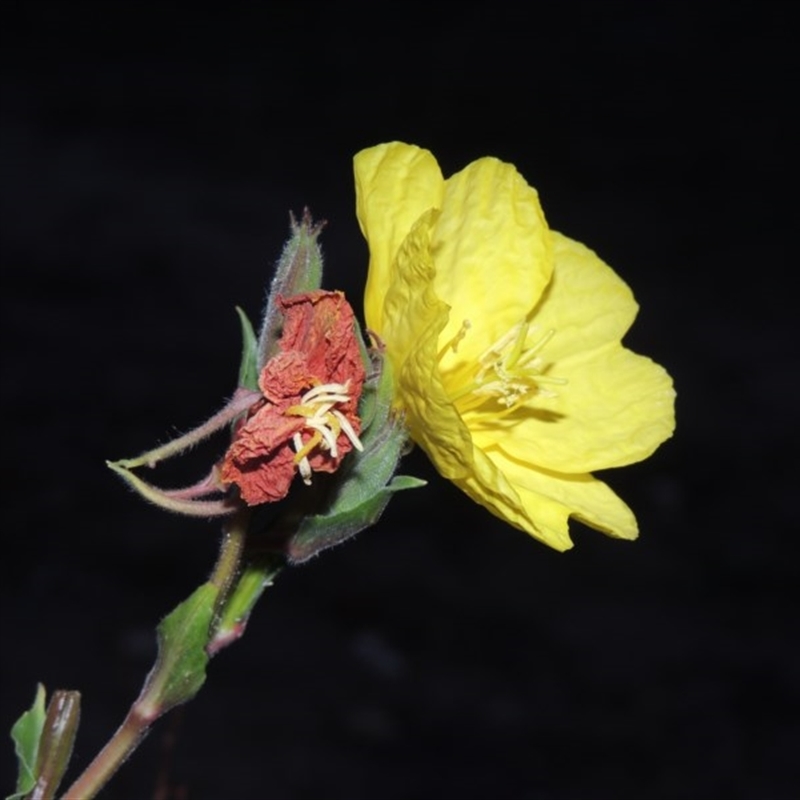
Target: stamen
{"type": "Point", "coordinates": [349, 430]}
{"type": "Point", "coordinates": [551, 379]}
{"type": "Point", "coordinates": [317, 406]}
{"type": "Point", "coordinates": [534, 349]}
{"type": "Point", "coordinates": [497, 348]}
{"type": "Point", "coordinates": [339, 389]}
{"type": "Point", "coordinates": [455, 341]}
{"type": "Point", "coordinates": [305, 449]}
{"type": "Point", "coordinates": [509, 371]}
{"type": "Point", "coordinates": [322, 410]}
{"type": "Point", "coordinates": [328, 436]}
{"type": "Point", "coordinates": [302, 464]}
{"type": "Point", "coordinates": [519, 344]}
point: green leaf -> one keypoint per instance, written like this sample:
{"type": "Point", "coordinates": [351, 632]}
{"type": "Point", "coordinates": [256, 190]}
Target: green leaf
{"type": "Point", "coordinates": [27, 733]}
{"type": "Point", "coordinates": [299, 270]}
{"type": "Point", "coordinates": [402, 482]}
{"type": "Point", "coordinates": [248, 367]}
{"type": "Point", "coordinates": [180, 669]}
{"type": "Point", "coordinates": [317, 533]}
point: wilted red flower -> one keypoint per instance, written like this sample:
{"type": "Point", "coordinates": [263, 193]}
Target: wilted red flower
{"type": "Point", "coordinates": [307, 419]}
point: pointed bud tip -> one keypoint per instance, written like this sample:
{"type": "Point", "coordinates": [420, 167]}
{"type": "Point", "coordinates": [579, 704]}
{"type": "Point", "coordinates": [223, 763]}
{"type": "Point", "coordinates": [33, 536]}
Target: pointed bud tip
{"type": "Point", "coordinates": [306, 223]}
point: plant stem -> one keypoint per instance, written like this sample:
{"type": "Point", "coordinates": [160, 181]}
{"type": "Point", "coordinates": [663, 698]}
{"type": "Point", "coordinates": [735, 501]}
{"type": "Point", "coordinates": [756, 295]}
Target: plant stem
{"type": "Point", "coordinates": [238, 404]}
{"type": "Point", "coordinates": [229, 560]}
{"type": "Point", "coordinates": [149, 706]}
{"type": "Point", "coordinates": [111, 757]}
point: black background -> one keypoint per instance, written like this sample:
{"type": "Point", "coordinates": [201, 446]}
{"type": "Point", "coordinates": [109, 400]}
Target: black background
{"type": "Point", "coordinates": [150, 156]}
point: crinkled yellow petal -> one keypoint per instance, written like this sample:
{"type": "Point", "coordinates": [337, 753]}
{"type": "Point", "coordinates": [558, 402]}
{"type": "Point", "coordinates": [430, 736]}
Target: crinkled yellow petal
{"type": "Point", "coordinates": [616, 407]}
{"type": "Point", "coordinates": [487, 486]}
{"type": "Point", "coordinates": [395, 184]}
{"type": "Point", "coordinates": [432, 419]}
{"type": "Point", "coordinates": [550, 499]}
{"type": "Point", "coordinates": [492, 251]}
{"type": "Point", "coordinates": [414, 318]}
{"type": "Point", "coordinates": [411, 305]}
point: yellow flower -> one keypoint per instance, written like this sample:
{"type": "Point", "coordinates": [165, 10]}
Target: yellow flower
{"type": "Point", "coordinates": [504, 337]}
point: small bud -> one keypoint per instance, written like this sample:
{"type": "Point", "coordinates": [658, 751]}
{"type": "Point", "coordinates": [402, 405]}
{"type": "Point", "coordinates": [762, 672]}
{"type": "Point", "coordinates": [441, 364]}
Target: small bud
{"type": "Point", "coordinates": [299, 270]}
{"type": "Point", "coordinates": [55, 747]}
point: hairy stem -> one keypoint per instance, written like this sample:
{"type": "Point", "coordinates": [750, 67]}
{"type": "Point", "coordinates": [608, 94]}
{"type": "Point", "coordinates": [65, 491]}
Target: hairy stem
{"type": "Point", "coordinates": [229, 560]}
{"type": "Point", "coordinates": [149, 706]}
{"type": "Point", "coordinates": [238, 404]}
{"type": "Point", "coordinates": [111, 757]}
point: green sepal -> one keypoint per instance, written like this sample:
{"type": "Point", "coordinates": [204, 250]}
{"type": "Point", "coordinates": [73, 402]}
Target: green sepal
{"type": "Point", "coordinates": [27, 733]}
{"type": "Point", "coordinates": [377, 381]}
{"type": "Point", "coordinates": [318, 532]}
{"type": "Point", "coordinates": [375, 405]}
{"type": "Point", "coordinates": [251, 582]}
{"type": "Point", "coordinates": [248, 367]}
{"type": "Point", "coordinates": [180, 667]}
{"type": "Point", "coordinates": [298, 270]}
{"type": "Point", "coordinates": [361, 487]}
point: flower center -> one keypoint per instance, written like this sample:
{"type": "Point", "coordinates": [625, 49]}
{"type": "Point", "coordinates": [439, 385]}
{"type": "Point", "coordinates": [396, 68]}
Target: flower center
{"type": "Point", "coordinates": [509, 372]}
{"type": "Point", "coordinates": [325, 421]}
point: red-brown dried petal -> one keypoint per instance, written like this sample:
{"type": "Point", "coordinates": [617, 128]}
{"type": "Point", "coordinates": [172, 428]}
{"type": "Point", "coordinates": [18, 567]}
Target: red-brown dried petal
{"type": "Point", "coordinates": [321, 325]}
{"type": "Point", "coordinates": [318, 346]}
{"type": "Point", "coordinates": [285, 377]}
{"type": "Point", "coordinates": [262, 480]}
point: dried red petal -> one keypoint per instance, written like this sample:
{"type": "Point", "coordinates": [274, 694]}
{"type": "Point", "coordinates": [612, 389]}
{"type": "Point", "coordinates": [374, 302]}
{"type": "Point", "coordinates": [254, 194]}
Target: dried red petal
{"type": "Point", "coordinates": [318, 346]}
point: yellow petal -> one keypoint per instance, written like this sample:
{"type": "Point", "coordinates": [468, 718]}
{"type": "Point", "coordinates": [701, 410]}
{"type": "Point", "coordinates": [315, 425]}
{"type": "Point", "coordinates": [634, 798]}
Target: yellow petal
{"type": "Point", "coordinates": [587, 304]}
{"type": "Point", "coordinates": [616, 407]}
{"type": "Point", "coordinates": [395, 184]}
{"type": "Point", "coordinates": [414, 317]}
{"type": "Point", "coordinates": [492, 251]}
{"type": "Point", "coordinates": [487, 486]}
{"type": "Point", "coordinates": [550, 499]}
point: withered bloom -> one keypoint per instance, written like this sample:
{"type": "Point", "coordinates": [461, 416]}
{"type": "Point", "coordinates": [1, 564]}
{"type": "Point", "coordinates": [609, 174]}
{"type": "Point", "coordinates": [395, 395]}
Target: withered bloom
{"type": "Point", "coordinates": [307, 418]}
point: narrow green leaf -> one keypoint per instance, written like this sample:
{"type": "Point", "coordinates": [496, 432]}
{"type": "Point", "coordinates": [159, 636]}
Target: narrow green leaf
{"type": "Point", "coordinates": [180, 668]}
{"type": "Point", "coordinates": [248, 367]}
{"type": "Point", "coordinates": [27, 733]}
{"type": "Point", "coordinates": [402, 482]}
